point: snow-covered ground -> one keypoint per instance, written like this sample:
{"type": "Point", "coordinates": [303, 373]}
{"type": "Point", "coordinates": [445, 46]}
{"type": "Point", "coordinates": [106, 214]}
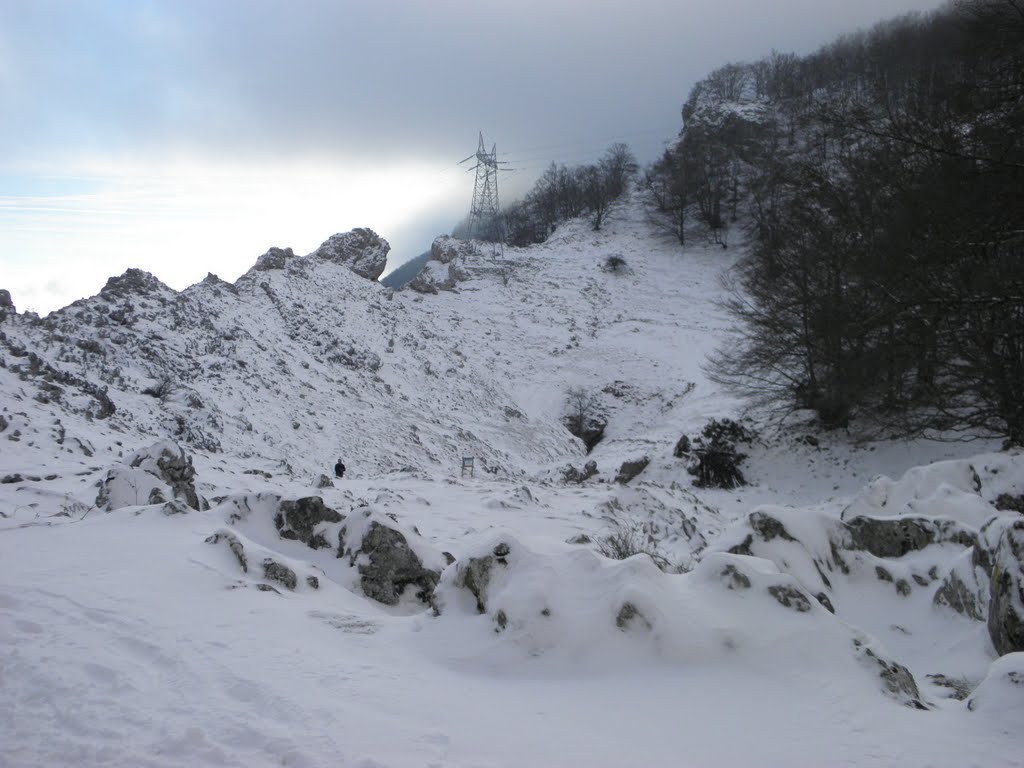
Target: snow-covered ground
{"type": "Point", "coordinates": [140, 637]}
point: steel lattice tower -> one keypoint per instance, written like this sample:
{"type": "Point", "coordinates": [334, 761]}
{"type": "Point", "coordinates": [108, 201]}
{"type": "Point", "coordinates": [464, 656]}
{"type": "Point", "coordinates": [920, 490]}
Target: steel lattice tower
{"type": "Point", "coordinates": [483, 212]}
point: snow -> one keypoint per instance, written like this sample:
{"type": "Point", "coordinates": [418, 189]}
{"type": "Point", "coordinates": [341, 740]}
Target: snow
{"type": "Point", "coordinates": [135, 638]}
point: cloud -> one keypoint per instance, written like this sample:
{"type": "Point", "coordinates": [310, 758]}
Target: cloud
{"type": "Point", "coordinates": [224, 127]}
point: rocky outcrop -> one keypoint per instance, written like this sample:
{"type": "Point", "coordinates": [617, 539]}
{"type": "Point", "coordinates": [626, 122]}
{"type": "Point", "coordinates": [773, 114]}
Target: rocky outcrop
{"type": "Point", "coordinates": [475, 573]}
{"type": "Point", "coordinates": [896, 679]}
{"type": "Point", "coordinates": [282, 574]}
{"type": "Point", "coordinates": [1001, 693]}
{"type": "Point", "coordinates": [274, 258]}
{"type": "Point", "coordinates": [446, 249]}
{"type": "Point", "coordinates": [134, 282]}
{"type": "Point", "coordinates": [895, 537]}
{"type": "Point", "coordinates": [1006, 604]}
{"type": "Point", "coordinates": [959, 590]}
{"type": "Point", "coordinates": [168, 461]}
{"type": "Point", "coordinates": [234, 545]}
{"type": "Point", "coordinates": [590, 429]}
{"type": "Point", "coordinates": [6, 305]}
{"type": "Point", "coordinates": [572, 475]}
{"type": "Point", "coordinates": [445, 268]}
{"type": "Point", "coordinates": [387, 565]}
{"type": "Point", "coordinates": [298, 520]}
{"type": "Point", "coordinates": [157, 474]}
{"type": "Point", "coordinates": [630, 469]}
{"type": "Point", "coordinates": [790, 597]}
{"type": "Point", "coordinates": [361, 250]}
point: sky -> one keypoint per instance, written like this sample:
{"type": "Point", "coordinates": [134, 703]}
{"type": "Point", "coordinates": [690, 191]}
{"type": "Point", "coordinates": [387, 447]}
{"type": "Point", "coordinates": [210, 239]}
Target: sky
{"type": "Point", "coordinates": [188, 136]}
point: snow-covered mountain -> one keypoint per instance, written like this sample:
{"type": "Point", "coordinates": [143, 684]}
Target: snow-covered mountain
{"type": "Point", "coordinates": [183, 582]}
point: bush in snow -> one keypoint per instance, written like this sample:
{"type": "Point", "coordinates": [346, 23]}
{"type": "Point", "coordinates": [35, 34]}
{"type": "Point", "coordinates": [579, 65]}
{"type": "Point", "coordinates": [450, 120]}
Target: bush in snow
{"type": "Point", "coordinates": [714, 459]}
{"type": "Point", "coordinates": [615, 264]}
{"type": "Point", "coordinates": [624, 542]}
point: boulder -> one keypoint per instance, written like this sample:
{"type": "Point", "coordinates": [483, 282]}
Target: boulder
{"type": "Point", "coordinates": [897, 680]}
{"type": "Point", "coordinates": [168, 461]}
{"type": "Point", "coordinates": [474, 574]}
{"type": "Point", "coordinates": [446, 249]}
{"type": "Point", "coordinates": [361, 250]}
{"type": "Point", "coordinates": [298, 520]}
{"type": "Point", "coordinates": [960, 590]}
{"type": "Point", "coordinates": [282, 574]}
{"type": "Point", "coordinates": [387, 565]}
{"type": "Point", "coordinates": [572, 475]}
{"type": "Point", "coordinates": [274, 258]}
{"type": "Point", "coordinates": [232, 542]}
{"type": "Point", "coordinates": [6, 305]}
{"type": "Point", "coordinates": [134, 282]}
{"type": "Point", "coordinates": [445, 268]}
{"type": "Point", "coordinates": [631, 469]}
{"type": "Point", "coordinates": [1006, 601]}
{"type": "Point", "coordinates": [157, 474]}
{"type": "Point", "coordinates": [896, 536]}
{"type": "Point", "coordinates": [1001, 693]}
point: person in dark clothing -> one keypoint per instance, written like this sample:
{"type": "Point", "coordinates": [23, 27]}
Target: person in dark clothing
{"type": "Point", "coordinates": [339, 469]}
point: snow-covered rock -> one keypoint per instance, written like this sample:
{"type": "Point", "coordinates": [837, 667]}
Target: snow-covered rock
{"type": "Point", "coordinates": [1001, 693]}
{"type": "Point", "coordinates": [361, 250]}
{"type": "Point", "coordinates": [6, 305]}
{"type": "Point", "coordinates": [152, 475]}
{"type": "Point", "coordinates": [578, 607]}
{"type": "Point", "coordinates": [445, 267]}
{"type": "Point", "coordinates": [1006, 606]}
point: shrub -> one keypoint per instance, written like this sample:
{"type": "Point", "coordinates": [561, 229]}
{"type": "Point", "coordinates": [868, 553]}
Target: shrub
{"type": "Point", "coordinates": [625, 542]}
{"type": "Point", "coordinates": [162, 389]}
{"type": "Point", "coordinates": [714, 458]}
{"type": "Point", "coordinates": [614, 264]}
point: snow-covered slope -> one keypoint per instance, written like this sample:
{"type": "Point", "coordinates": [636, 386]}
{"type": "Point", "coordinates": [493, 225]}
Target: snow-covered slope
{"type": "Point", "coordinates": [180, 585]}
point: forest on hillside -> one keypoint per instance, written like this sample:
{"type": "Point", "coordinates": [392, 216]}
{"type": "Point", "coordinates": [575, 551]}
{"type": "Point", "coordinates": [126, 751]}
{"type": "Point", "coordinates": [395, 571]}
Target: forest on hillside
{"type": "Point", "coordinates": [880, 182]}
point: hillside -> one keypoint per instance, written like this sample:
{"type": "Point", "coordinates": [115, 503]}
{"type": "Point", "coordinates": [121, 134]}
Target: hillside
{"type": "Point", "coordinates": [180, 586]}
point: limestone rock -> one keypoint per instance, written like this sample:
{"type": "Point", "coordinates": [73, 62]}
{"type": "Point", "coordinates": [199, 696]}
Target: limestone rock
{"type": "Point", "coordinates": [134, 282]}
{"type": "Point", "coordinates": [629, 617]}
{"type": "Point", "coordinates": [298, 519]}
{"type": "Point", "coordinates": [391, 565]}
{"type": "Point", "coordinates": [168, 461]}
{"type": "Point", "coordinates": [790, 597]}
{"type": "Point", "coordinates": [572, 475]}
{"type": "Point", "coordinates": [896, 536]}
{"type": "Point", "coordinates": [445, 249]}
{"type": "Point", "coordinates": [1006, 603]}
{"type": "Point", "coordinates": [6, 305]}
{"type": "Point", "coordinates": [282, 574]}
{"type": "Point", "coordinates": [897, 680]}
{"type": "Point", "coordinates": [445, 268]}
{"type": "Point", "coordinates": [630, 469]}
{"type": "Point", "coordinates": [960, 590]}
{"type": "Point", "coordinates": [157, 474]}
{"type": "Point", "coordinates": [361, 250]}
{"type": "Point", "coordinates": [475, 574]}
{"type": "Point", "coordinates": [1001, 693]}
{"type": "Point", "coordinates": [233, 544]}
{"type": "Point", "coordinates": [274, 258]}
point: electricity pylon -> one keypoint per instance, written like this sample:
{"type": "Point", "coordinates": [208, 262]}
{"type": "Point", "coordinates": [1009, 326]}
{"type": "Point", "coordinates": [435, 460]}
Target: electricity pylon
{"type": "Point", "coordinates": [484, 218]}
